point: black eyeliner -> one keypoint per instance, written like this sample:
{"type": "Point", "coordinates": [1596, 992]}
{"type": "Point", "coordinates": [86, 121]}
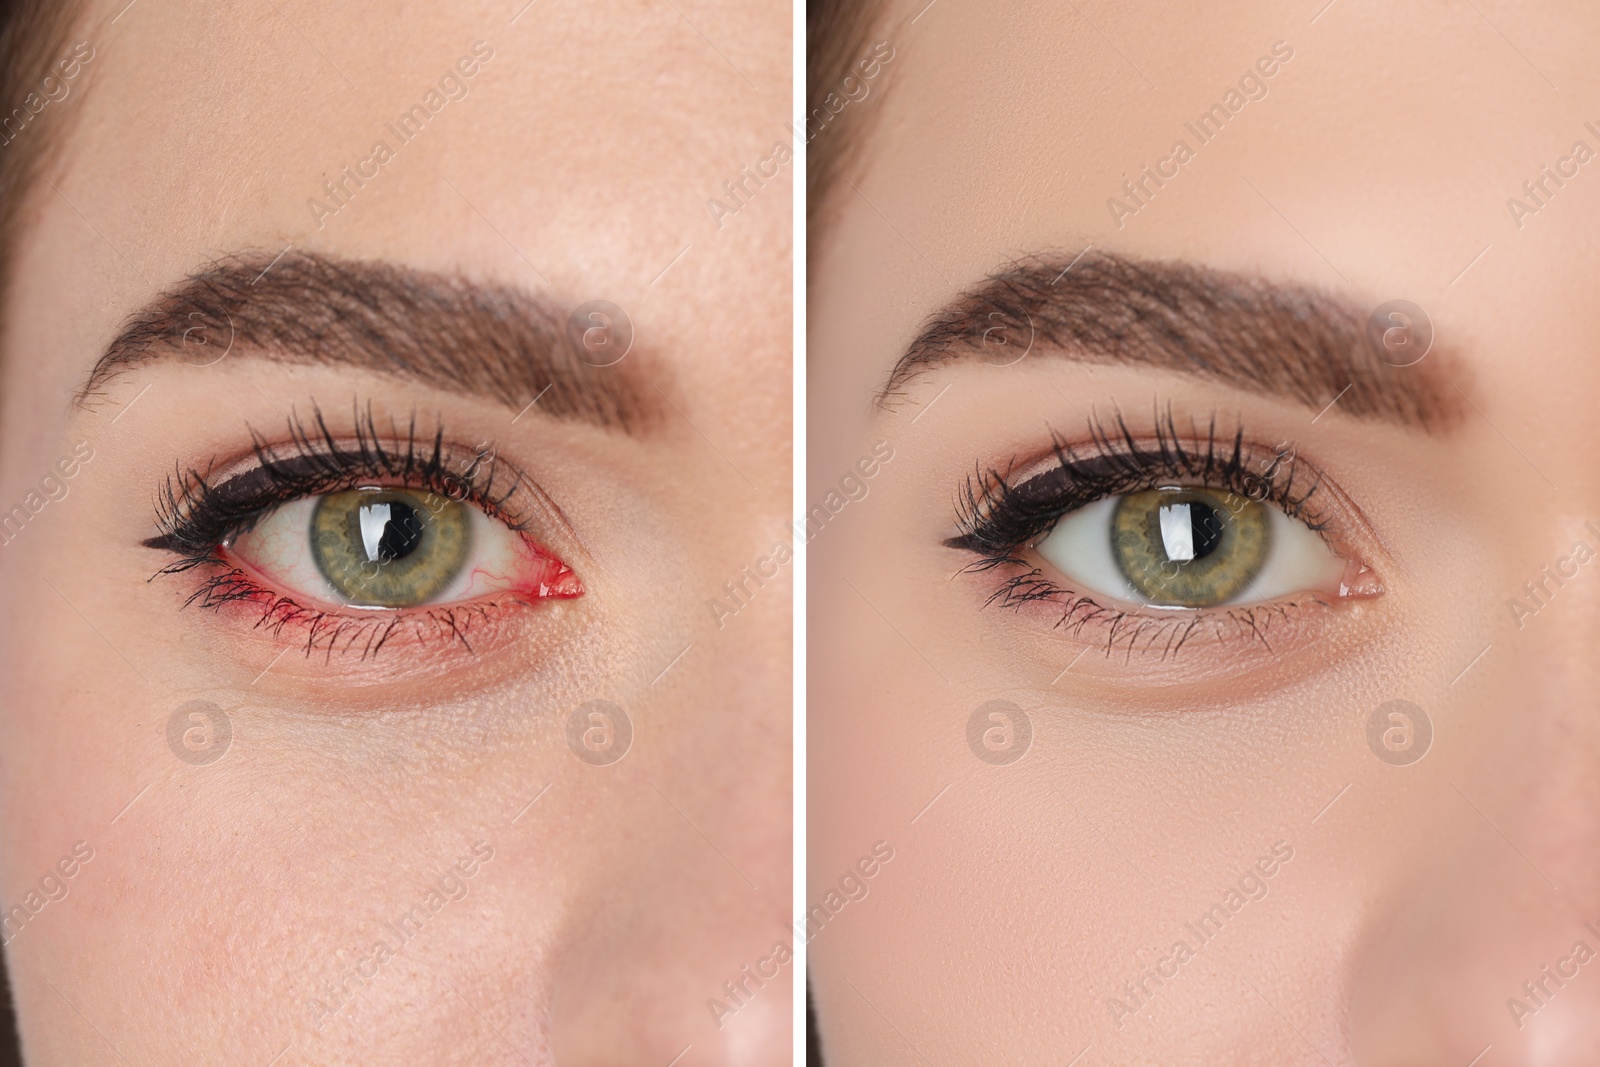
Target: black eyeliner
{"type": "Point", "coordinates": [996, 518]}
{"type": "Point", "coordinates": [195, 514]}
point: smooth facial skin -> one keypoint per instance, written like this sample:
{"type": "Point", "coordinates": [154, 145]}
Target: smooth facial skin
{"type": "Point", "coordinates": [1398, 910]}
{"type": "Point", "coordinates": [571, 912]}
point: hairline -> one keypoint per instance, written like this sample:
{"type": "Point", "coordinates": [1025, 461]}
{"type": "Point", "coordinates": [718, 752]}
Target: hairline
{"type": "Point", "coordinates": [33, 34]}
{"type": "Point", "coordinates": [837, 32]}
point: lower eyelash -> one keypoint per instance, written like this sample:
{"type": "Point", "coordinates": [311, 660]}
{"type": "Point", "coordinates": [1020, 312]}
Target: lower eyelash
{"type": "Point", "coordinates": [1133, 630]}
{"type": "Point", "coordinates": [196, 518]}
{"type": "Point", "coordinates": [998, 519]}
{"type": "Point", "coordinates": [334, 632]}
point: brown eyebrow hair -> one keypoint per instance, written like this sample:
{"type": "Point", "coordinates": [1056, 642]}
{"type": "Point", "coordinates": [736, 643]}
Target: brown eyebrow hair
{"type": "Point", "coordinates": [1260, 336]}
{"type": "Point", "coordinates": [442, 331]}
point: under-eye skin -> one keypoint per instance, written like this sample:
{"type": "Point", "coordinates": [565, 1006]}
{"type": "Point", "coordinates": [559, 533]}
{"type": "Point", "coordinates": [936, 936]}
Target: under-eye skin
{"type": "Point", "coordinates": [1157, 539]}
{"type": "Point", "coordinates": [360, 540]}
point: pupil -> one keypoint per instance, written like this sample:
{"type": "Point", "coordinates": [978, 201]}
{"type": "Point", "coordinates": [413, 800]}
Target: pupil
{"type": "Point", "coordinates": [401, 534]}
{"type": "Point", "coordinates": [1205, 527]}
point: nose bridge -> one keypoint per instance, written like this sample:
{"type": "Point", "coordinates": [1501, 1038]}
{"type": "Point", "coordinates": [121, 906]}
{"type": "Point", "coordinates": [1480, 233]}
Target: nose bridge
{"type": "Point", "coordinates": [677, 950]}
{"type": "Point", "coordinates": [645, 989]}
{"type": "Point", "coordinates": [1493, 934]}
{"type": "Point", "coordinates": [1542, 715]}
{"type": "Point", "coordinates": [1477, 948]}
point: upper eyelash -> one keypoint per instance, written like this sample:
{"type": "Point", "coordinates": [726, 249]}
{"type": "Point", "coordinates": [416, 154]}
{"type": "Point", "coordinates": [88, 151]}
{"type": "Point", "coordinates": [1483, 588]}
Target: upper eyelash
{"type": "Point", "coordinates": [195, 515]}
{"type": "Point", "coordinates": [996, 517]}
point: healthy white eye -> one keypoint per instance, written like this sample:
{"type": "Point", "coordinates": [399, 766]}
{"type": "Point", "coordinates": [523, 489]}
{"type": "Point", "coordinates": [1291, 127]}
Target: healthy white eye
{"type": "Point", "coordinates": [392, 548]}
{"type": "Point", "coordinates": [1190, 547]}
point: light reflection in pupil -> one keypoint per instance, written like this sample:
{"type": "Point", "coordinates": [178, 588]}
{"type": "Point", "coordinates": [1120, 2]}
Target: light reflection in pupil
{"type": "Point", "coordinates": [382, 547]}
{"type": "Point", "coordinates": [1189, 546]}
{"type": "Point", "coordinates": [1189, 531]}
{"type": "Point", "coordinates": [401, 530]}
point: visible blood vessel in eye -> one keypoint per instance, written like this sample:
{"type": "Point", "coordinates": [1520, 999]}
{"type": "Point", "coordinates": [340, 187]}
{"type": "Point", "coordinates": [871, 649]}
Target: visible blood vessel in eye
{"type": "Point", "coordinates": [541, 576]}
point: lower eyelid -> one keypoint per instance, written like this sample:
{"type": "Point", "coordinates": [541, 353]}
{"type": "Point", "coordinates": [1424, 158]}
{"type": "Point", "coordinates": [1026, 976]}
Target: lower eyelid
{"type": "Point", "coordinates": [1274, 626]}
{"type": "Point", "coordinates": [471, 628]}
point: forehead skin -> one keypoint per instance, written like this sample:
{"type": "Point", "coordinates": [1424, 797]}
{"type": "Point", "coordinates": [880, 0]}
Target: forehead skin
{"type": "Point", "coordinates": [996, 144]}
{"type": "Point", "coordinates": [578, 165]}
{"type": "Point", "coordinates": [577, 143]}
{"type": "Point", "coordinates": [1378, 167]}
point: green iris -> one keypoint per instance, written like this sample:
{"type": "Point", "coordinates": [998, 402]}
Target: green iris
{"type": "Point", "coordinates": [390, 548]}
{"type": "Point", "coordinates": [1191, 548]}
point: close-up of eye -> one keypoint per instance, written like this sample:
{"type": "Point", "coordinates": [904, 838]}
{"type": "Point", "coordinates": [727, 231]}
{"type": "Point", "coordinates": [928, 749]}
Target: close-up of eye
{"type": "Point", "coordinates": [856, 533]}
{"type": "Point", "coordinates": [394, 548]}
{"type": "Point", "coordinates": [1189, 547]}
{"type": "Point", "coordinates": [381, 468]}
{"type": "Point", "coordinates": [1229, 581]}
{"type": "Point", "coordinates": [1168, 527]}
{"type": "Point", "coordinates": [323, 529]}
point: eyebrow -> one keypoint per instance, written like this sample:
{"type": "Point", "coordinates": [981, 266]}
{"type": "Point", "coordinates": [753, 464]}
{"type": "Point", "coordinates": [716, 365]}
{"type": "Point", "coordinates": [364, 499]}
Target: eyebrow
{"type": "Point", "coordinates": [1269, 338]}
{"type": "Point", "coordinates": [443, 331]}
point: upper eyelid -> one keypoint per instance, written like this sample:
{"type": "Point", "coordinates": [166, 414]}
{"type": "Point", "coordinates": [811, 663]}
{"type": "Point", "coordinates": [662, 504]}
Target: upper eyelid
{"type": "Point", "coordinates": [393, 452]}
{"type": "Point", "coordinates": [1334, 515]}
{"type": "Point", "coordinates": [178, 502]}
{"type": "Point", "coordinates": [1141, 456]}
{"type": "Point", "coordinates": [1280, 490]}
{"type": "Point", "coordinates": [1119, 442]}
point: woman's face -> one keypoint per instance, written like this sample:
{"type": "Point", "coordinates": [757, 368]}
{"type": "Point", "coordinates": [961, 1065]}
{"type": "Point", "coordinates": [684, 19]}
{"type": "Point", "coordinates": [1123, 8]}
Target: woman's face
{"type": "Point", "coordinates": [333, 785]}
{"type": "Point", "coordinates": [1216, 762]}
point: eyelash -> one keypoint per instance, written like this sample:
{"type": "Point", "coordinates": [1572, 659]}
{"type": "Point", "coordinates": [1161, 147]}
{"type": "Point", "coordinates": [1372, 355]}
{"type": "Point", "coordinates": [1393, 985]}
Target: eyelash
{"type": "Point", "coordinates": [196, 517]}
{"type": "Point", "coordinates": [998, 519]}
